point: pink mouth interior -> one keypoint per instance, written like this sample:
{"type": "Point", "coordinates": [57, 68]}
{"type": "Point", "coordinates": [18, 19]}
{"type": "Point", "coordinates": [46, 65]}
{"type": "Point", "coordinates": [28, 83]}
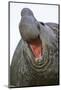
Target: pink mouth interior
{"type": "Point", "coordinates": [36, 46]}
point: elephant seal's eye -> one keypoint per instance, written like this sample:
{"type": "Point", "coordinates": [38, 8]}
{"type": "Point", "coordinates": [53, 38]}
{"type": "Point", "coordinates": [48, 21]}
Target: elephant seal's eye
{"type": "Point", "coordinates": [42, 23]}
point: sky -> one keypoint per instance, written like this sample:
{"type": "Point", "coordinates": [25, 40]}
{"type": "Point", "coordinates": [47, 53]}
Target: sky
{"type": "Point", "coordinates": [43, 13]}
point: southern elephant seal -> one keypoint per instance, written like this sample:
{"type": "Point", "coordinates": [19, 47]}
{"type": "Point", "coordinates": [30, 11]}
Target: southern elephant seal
{"type": "Point", "coordinates": [35, 60]}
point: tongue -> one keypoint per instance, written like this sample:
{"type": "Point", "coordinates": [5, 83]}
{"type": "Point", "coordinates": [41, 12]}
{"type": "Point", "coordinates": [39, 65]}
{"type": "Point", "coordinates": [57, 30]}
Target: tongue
{"type": "Point", "coordinates": [36, 46]}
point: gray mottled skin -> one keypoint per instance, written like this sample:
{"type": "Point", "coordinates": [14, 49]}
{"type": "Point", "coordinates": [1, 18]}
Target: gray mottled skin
{"type": "Point", "coordinates": [24, 71]}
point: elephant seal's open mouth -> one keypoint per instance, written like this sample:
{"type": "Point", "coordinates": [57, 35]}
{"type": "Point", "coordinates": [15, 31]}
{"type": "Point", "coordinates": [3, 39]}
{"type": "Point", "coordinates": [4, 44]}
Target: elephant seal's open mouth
{"type": "Point", "coordinates": [36, 48]}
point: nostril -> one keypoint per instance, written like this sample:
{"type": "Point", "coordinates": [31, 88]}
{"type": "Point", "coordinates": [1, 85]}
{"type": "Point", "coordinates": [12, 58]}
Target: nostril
{"type": "Point", "coordinates": [42, 23]}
